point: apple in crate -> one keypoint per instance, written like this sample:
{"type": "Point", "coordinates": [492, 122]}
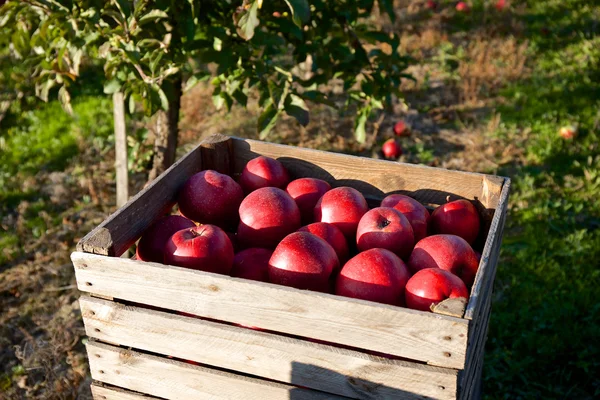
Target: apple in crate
{"type": "Point", "coordinates": [210, 197]}
{"type": "Point", "coordinates": [431, 286]}
{"type": "Point", "coordinates": [375, 275]}
{"type": "Point", "coordinates": [304, 261]}
{"type": "Point", "coordinates": [205, 247]}
{"type": "Point", "coordinates": [267, 215]}
{"type": "Point", "coordinates": [332, 235]}
{"type": "Point", "coordinates": [448, 252]}
{"type": "Point", "coordinates": [386, 228]}
{"type": "Point", "coordinates": [152, 244]}
{"type": "Point", "coordinates": [263, 172]}
{"type": "Point", "coordinates": [415, 212]}
{"type": "Point", "coordinates": [343, 207]}
{"type": "Point", "coordinates": [459, 217]}
{"type": "Point", "coordinates": [307, 192]}
{"type": "Point", "coordinates": [252, 264]}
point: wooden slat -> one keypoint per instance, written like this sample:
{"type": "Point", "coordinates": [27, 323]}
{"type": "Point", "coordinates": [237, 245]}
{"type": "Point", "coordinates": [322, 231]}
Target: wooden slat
{"type": "Point", "coordinates": [171, 379]}
{"type": "Point", "coordinates": [335, 370]}
{"type": "Point", "coordinates": [374, 178]}
{"type": "Point", "coordinates": [435, 339]}
{"type": "Point", "coordinates": [217, 153]}
{"type": "Point", "coordinates": [105, 392]}
{"type": "Point", "coordinates": [119, 231]}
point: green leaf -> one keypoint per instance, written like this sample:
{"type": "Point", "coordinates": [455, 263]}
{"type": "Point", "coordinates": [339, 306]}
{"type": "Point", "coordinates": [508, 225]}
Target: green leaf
{"type": "Point", "coordinates": [388, 6]}
{"type": "Point", "coordinates": [218, 100]}
{"type": "Point", "coordinates": [131, 104]}
{"type": "Point", "coordinates": [152, 16]}
{"type": "Point", "coordinates": [300, 11]}
{"type": "Point", "coordinates": [246, 20]}
{"type": "Point", "coordinates": [112, 86]}
{"type": "Point", "coordinates": [65, 99]}
{"type": "Point", "coordinates": [360, 132]}
{"type": "Point", "coordinates": [297, 108]}
{"type": "Point", "coordinates": [164, 101]}
{"type": "Point", "coordinates": [267, 121]}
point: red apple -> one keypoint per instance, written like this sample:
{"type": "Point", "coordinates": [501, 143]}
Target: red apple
{"type": "Point", "coordinates": [415, 212]}
{"type": "Point", "coordinates": [448, 252]}
{"type": "Point", "coordinates": [343, 207]}
{"type": "Point", "coordinates": [459, 217]}
{"type": "Point", "coordinates": [304, 261]}
{"type": "Point", "coordinates": [267, 215]}
{"type": "Point", "coordinates": [500, 5]}
{"type": "Point", "coordinates": [152, 244]}
{"type": "Point", "coordinates": [431, 5]}
{"type": "Point", "coordinates": [386, 228]}
{"type": "Point", "coordinates": [461, 6]}
{"type": "Point", "coordinates": [263, 172]}
{"type": "Point", "coordinates": [252, 264]}
{"type": "Point", "coordinates": [375, 275]}
{"type": "Point", "coordinates": [204, 247]}
{"type": "Point", "coordinates": [568, 132]}
{"type": "Point", "coordinates": [401, 129]}
{"type": "Point", "coordinates": [391, 149]}
{"type": "Point", "coordinates": [306, 192]}
{"type": "Point", "coordinates": [332, 235]}
{"type": "Point", "coordinates": [209, 197]}
{"type": "Point", "coordinates": [431, 286]}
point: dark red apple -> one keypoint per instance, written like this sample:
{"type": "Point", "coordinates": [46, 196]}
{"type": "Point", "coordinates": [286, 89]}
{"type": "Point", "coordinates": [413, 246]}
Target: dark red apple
{"type": "Point", "coordinates": [375, 275]}
{"type": "Point", "coordinates": [461, 6]}
{"type": "Point", "coordinates": [458, 217]}
{"type": "Point", "coordinates": [210, 197]}
{"type": "Point", "coordinates": [306, 192]}
{"type": "Point", "coordinates": [267, 215]}
{"type": "Point", "coordinates": [500, 5]}
{"type": "Point", "coordinates": [263, 172]}
{"type": "Point", "coordinates": [391, 149]}
{"type": "Point", "coordinates": [304, 261]}
{"type": "Point", "coordinates": [332, 235]}
{"type": "Point", "coordinates": [431, 286]}
{"type": "Point", "coordinates": [415, 212]}
{"type": "Point", "coordinates": [401, 129]}
{"type": "Point", "coordinates": [152, 244]}
{"type": "Point", "coordinates": [252, 264]}
{"type": "Point", "coordinates": [431, 5]}
{"type": "Point", "coordinates": [205, 247]}
{"type": "Point", "coordinates": [448, 252]}
{"type": "Point", "coordinates": [386, 228]}
{"type": "Point", "coordinates": [343, 207]}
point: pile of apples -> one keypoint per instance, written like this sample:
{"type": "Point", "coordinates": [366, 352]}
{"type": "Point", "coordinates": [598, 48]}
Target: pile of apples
{"type": "Point", "coordinates": [306, 235]}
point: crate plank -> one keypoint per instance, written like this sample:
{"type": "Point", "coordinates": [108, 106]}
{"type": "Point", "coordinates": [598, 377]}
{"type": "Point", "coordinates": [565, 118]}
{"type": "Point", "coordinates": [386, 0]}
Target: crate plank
{"type": "Point", "coordinates": [104, 392]}
{"type": "Point", "coordinates": [171, 379]}
{"type": "Point", "coordinates": [329, 369]}
{"type": "Point", "coordinates": [374, 178]}
{"type": "Point", "coordinates": [435, 339]}
{"type": "Point", "coordinates": [119, 231]}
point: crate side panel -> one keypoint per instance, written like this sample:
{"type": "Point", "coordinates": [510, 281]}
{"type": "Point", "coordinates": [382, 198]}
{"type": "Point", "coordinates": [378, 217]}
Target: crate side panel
{"type": "Point", "coordinates": [104, 392]}
{"type": "Point", "coordinates": [435, 339]}
{"type": "Point", "coordinates": [329, 369]}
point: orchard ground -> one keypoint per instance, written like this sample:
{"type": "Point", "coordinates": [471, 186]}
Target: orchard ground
{"type": "Point", "coordinates": [492, 91]}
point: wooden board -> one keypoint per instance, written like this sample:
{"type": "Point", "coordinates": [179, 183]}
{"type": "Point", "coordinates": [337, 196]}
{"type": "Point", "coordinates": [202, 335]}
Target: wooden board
{"type": "Point", "coordinates": [169, 379]}
{"type": "Point", "coordinates": [374, 178]}
{"type": "Point", "coordinates": [435, 339]}
{"type": "Point", "coordinates": [105, 392]}
{"type": "Point", "coordinates": [329, 369]}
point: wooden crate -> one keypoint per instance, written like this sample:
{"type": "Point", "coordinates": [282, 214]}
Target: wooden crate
{"type": "Point", "coordinates": [169, 332]}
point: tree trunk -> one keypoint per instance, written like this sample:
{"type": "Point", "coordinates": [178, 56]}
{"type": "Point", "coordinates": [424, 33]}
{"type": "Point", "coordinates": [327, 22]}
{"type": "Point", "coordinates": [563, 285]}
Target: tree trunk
{"type": "Point", "coordinates": [166, 132]}
{"type": "Point", "coordinates": [120, 149]}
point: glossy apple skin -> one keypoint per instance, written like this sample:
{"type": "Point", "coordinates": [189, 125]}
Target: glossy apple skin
{"type": "Point", "coordinates": [386, 228]}
{"type": "Point", "coordinates": [306, 192]}
{"type": "Point", "coordinates": [205, 247]}
{"type": "Point", "coordinates": [391, 149]}
{"type": "Point", "coordinates": [252, 264]}
{"type": "Point", "coordinates": [376, 275]}
{"type": "Point", "coordinates": [401, 129]}
{"type": "Point", "coordinates": [431, 286]}
{"type": "Point", "coordinates": [448, 252]}
{"type": "Point", "coordinates": [343, 207]}
{"type": "Point", "coordinates": [267, 215]}
{"type": "Point", "coordinates": [263, 172]}
{"type": "Point", "coordinates": [458, 217]}
{"type": "Point", "coordinates": [152, 243]}
{"type": "Point", "coordinates": [210, 197]}
{"type": "Point", "coordinates": [304, 261]}
{"type": "Point", "coordinates": [415, 212]}
{"type": "Point", "coordinates": [332, 235]}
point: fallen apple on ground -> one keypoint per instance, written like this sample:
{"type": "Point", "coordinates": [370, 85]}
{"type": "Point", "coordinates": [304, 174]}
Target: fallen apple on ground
{"type": "Point", "coordinates": [391, 149]}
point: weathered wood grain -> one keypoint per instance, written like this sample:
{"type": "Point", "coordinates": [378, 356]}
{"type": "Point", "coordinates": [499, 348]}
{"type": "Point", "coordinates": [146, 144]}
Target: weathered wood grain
{"type": "Point", "coordinates": [169, 379]}
{"type": "Point", "coordinates": [119, 231]}
{"type": "Point", "coordinates": [217, 153]}
{"type": "Point", "coordinates": [435, 339]}
{"type": "Point", "coordinates": [299, 362]}
{"type": "Point", "coordinates": [374, 178]}
{"type": "Point", "coordinates": [105, 392]}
